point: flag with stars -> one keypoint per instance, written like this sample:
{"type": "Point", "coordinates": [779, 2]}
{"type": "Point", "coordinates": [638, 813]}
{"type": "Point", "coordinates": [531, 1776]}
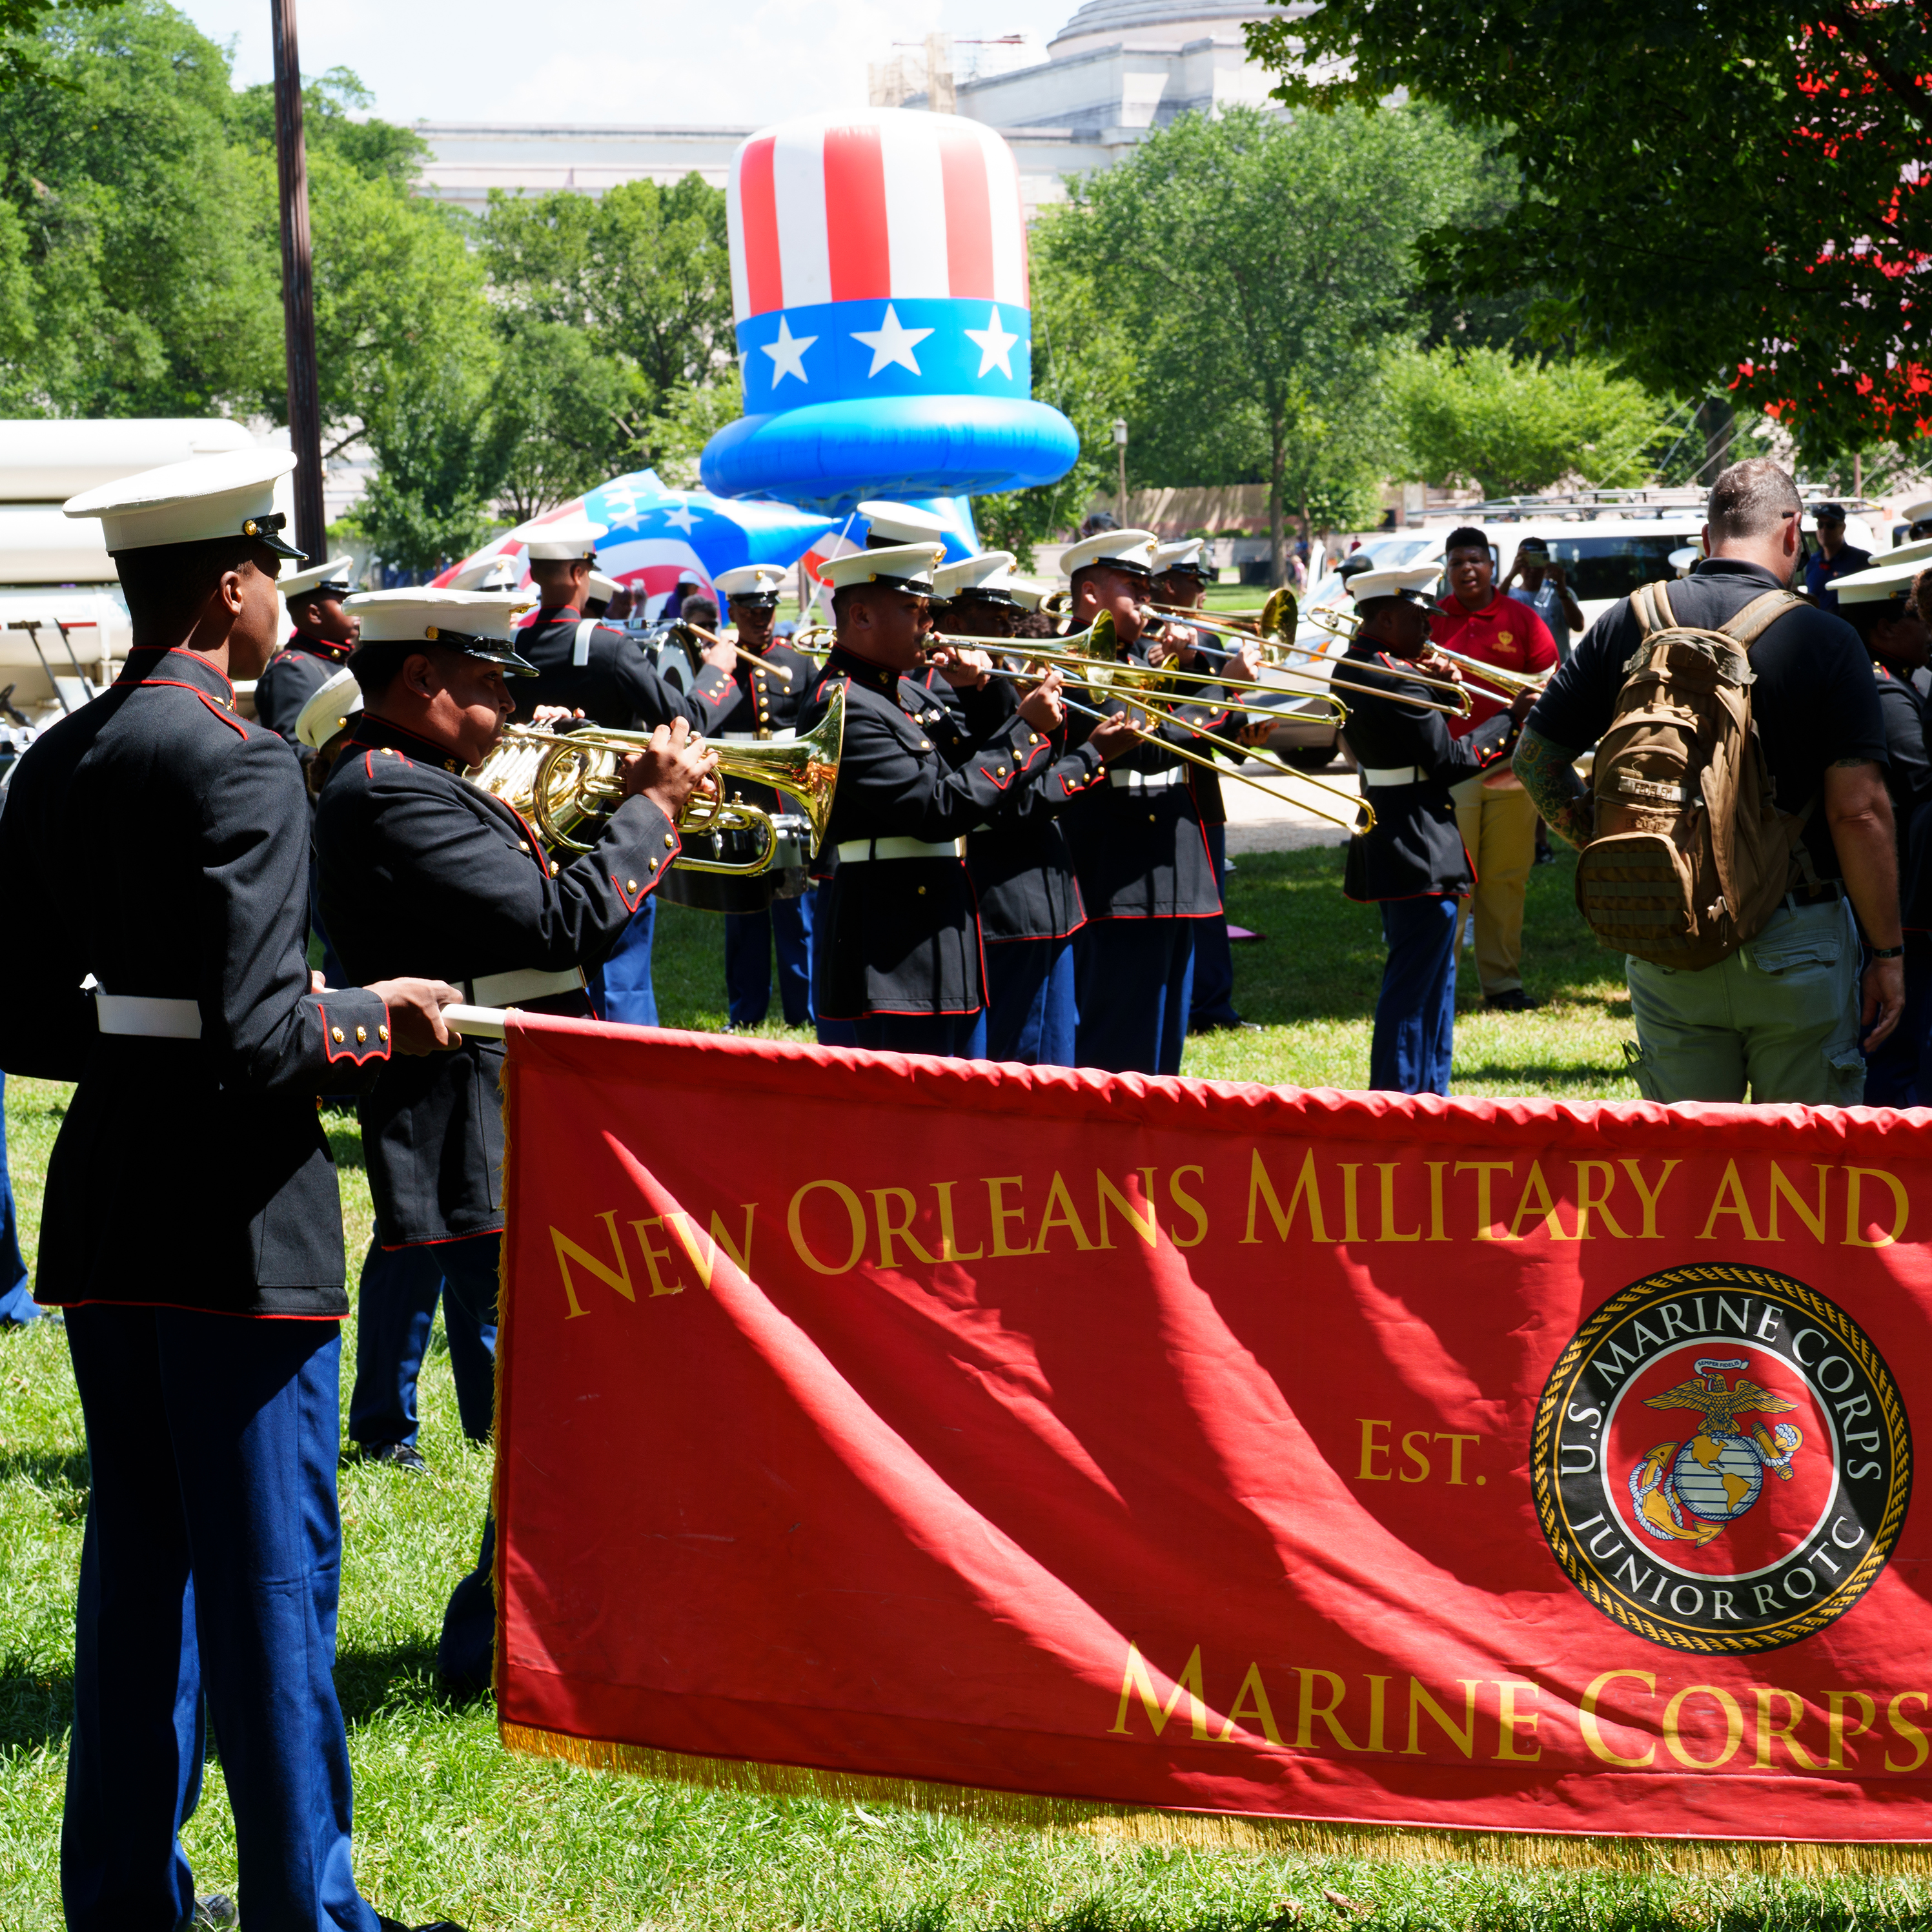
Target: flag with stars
{"type": "Point", "coordinates": [879, 281]}
{"type": "Point", "coordinates": [655, 536]}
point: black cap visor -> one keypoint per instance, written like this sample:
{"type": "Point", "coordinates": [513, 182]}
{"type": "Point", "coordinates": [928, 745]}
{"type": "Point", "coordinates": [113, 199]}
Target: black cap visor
{"type": "Point", "coordinates": [268, 530]}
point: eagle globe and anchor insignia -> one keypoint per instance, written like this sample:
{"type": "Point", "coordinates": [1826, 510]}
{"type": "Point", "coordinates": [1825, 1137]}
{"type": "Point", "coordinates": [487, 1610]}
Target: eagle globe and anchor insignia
{"type": "Point", "coordinates": [1772, 1504]}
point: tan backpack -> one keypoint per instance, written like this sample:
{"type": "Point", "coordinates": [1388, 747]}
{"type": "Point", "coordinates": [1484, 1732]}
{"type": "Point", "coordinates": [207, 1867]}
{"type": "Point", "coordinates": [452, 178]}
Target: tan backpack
{"type": "Point", "coordinates": [1691, 855]}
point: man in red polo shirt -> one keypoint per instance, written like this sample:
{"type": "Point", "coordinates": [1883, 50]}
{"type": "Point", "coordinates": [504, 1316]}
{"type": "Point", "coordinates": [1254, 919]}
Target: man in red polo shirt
{"type": "Point", "coordinates": [1495, 816]}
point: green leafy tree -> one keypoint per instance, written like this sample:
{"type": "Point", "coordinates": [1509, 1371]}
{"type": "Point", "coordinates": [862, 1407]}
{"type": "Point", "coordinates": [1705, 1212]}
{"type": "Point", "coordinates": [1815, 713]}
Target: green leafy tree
{"type": "Point", "coordinates": [149, 297]}
{"type": "Point", "coordinates": [1258, 265]}
{"type": "Point", "coordinates": [640, 279]}
{"type": "Point", "coordinates": [1513, 426]}
{"type": "Point", "coordinates": [1732, 196]}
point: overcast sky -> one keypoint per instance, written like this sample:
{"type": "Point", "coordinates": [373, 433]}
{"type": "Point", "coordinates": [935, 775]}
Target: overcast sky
{"type": "Point", "coordinates": [668, 62]}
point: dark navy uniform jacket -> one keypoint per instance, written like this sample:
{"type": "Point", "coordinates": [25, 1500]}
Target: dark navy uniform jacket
{"type": "Point", "coordinates": [418, 865]}
{"type": "Point", "coordinates": [903, 934]}
{"type": "Point", "coordinates": [617, 686]}
{"type": "Point", "coordinates": [1414, 851]}
{"type": "Point", "coordinates": [1021, 868]}
{"type": "Point", "coordinates": [160, 842]}
{"type": "Point", "coordinates": [1136, 836]}
{"type": "Point", "coordinates": [290, 679]}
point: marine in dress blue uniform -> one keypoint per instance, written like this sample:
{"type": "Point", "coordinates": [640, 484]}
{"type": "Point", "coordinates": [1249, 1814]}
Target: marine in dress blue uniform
{"type": "Point", "coordinates": [902, 946]}
{"type": "Point", "coordinates": [1021, 868]}
{"type": "Point", "coordinates": [1181, 579]}
{"type": "Point", "coordinates": [1147, 876]}
{"type": "Point", "coordinates": [418, 863]}
{"type": "Point", "coordinates": [771, 682]}
{"type": "Point", "coordinates": [586, 666]}
{"type": "Point", "coordinates": [1412, 863]}
{"type": "Point", "coordinates": [155, 846]}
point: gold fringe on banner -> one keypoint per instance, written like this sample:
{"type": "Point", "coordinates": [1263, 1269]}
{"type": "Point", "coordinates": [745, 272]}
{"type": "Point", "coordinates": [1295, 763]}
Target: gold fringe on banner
{"type": "Point", "coordinates": [1219, 1832]}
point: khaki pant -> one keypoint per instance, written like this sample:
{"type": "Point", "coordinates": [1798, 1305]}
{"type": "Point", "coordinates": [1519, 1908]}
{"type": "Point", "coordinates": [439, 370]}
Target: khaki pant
{"type": "Point", "coordinates": [1779, 1016]}
{"type": "Point", "coordinates": [1498, 828]}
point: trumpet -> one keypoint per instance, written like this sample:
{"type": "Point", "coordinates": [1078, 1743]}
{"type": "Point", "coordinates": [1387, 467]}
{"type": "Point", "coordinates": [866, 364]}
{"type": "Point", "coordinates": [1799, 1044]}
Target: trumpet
{"type": "Point", "coordinates": [564, 781]}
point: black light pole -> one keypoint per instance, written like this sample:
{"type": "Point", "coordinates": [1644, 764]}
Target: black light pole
{"type": "Point", "coordinates": [298, 285]}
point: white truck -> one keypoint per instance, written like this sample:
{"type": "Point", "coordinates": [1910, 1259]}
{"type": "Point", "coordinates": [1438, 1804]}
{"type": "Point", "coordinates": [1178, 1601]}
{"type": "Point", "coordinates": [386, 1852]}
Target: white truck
{"type": "Point", "coordinates": [63, 622]}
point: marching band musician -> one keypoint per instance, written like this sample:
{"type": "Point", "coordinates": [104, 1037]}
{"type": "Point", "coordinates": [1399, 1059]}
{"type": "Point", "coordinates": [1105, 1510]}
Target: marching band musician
{"type": "Point", "coordinates": [1146, 875]}
{"type": "Point", "coordinates": [1412, 863]}
{"type": "Point", "coordinates": [1021, 870]}
{"type": "Point", "coordinates": [772, 682]}
{"type": "Point", "coordinates": [317, 648]}
{"type": "Point", "coordinates": [583, 666]}
{"type": "Point", "coordinates": [900, 940]}
{"type": "Point", "coordinates": [1181, 579]}
{"type": "Point", "coordinates": [201, 1272]}
{"type": "Point", "coordinates": [418, 864]}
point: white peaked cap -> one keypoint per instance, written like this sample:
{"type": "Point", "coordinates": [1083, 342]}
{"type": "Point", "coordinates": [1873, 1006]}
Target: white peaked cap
{"type": "Point", "coordinates": [1414, 584]}
{"type": "Point", "coordinates": [1681, 560]}
{"type": "Point", "coordinates": [990, 573]}
{"type": "Point", "coordinates": [909, 566]}
{"type": "Point", "coordinates": [487, 573]}
{"type": "Point", "coordinates": [599, 585]}
{"type": "Point", "coordinates": [903, 523]}
{"type": "Point", "coordinates": [1125, 549]}
{"type": "Point", "coordinates": [329, 709]}
{"type": "Point", "coordinates": [413, 616]}
{"type": "Point", "coordinates": [751, 580]}
{"type": "Point", "coordinates": [231, 494]}
{"type": "Point", "coordinates": [1167, 556]}
{"type": "Point", "coordinates": [337, 573]}
{"type": "Point", "coordinates": [1880, 581]}
{"type": "Point", "coordinates": [1913, 513]}
{"type": "Point", "coordinates": [558, 539]}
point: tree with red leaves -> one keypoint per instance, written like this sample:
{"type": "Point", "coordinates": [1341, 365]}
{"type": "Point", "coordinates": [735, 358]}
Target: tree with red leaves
{"type": "Point", "coordinates": [1729, 196]}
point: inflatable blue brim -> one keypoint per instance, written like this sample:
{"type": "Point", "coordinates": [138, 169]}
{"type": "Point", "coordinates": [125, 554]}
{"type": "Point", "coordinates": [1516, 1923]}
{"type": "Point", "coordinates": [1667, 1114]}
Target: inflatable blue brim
{"type": "Point", "coordinates": [829, 457]}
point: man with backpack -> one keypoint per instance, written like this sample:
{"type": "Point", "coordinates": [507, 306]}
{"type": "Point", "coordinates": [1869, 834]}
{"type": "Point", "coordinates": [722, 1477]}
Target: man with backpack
{"type": "Point", "coordinates": [1738, 820]}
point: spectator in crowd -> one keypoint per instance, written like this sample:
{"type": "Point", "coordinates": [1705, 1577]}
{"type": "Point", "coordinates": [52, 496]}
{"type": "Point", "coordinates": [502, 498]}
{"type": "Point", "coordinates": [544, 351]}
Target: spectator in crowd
{"type": "Point", "coordinates": [1098, 521]}
{"type": "Point", "coordinates": [1780, 1017]}
{"type": "Point", "coordinates": [1833, 557]}
{"type": "Point", "coordinates": [1899, 1072]}
{"type": "Point", "coordinates": [1494, 814]}
{"type": "Point", "coordinates": [1536, 580]}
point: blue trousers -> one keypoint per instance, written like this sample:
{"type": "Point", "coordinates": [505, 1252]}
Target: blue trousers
{"type": "Point", "coordinates": [620, 988]}
{"type": "Point", "coordinates": [950, 1036]}
{"type": "Point", "coordinates": [1213, 957]}
{"type": "Point", "coordinates": [1899, 1074]}
{"type": "Point", "coordinates": [1031, 1010]}
{"type": "Point", "coordinates": [395, 1307]}
{"type": "Point", "coordinates": [748, 939]}
{"type": "Point", "coordinates": [469, 1639]}
{"type": "Point", "coordinates": [17, 1305]}
{"type": "Point", "coordinates": [210, 1568]}
{"type": "Point", "coordinates": [831, 1033]}
{"type": "Point", "coordinates": [1415, 1016]}
{"type": "Point", "coordinates": [1134, 979]}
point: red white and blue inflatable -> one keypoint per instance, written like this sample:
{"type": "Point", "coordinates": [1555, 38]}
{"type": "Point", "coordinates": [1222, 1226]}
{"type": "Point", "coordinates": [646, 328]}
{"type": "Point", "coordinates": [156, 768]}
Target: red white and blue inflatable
{"type": "Point", "coordinates": [879, 280]}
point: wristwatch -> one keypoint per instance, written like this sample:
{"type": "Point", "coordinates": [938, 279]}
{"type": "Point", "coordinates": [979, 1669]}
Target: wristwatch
{"type": "Point", "coordinates": [1888, 952]}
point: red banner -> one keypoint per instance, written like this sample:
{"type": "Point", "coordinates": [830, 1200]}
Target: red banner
{"type": "Point", "coordinates": [1504, 1466]}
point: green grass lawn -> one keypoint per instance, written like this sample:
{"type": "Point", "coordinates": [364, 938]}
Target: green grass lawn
{"type": "Point", "coordinates": [447, 1822]}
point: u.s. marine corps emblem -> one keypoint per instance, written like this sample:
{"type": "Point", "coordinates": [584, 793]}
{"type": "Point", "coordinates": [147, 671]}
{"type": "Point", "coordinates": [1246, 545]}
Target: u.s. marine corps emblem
{"type": "Point", "coordinates": [1721, 1459]}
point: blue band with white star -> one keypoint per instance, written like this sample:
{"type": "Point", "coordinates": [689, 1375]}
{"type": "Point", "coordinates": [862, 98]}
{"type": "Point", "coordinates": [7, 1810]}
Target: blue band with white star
{"type": "Point", "coordinates": [835, 352]}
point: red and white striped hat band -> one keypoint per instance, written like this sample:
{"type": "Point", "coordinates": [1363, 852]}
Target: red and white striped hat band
{"type": "Point", "coordinates": [873, 205]}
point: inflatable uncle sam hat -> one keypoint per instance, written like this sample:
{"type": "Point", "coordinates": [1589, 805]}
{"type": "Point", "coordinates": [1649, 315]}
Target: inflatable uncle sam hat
{"type": "Point", "coordinates": [879, 280]}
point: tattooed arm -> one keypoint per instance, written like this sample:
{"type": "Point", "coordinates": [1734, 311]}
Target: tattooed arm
{"type": "Point", "coordinates": [1549, 774]}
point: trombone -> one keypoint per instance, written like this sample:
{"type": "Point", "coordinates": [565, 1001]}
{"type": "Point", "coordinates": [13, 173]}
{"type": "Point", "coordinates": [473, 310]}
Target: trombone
{"type": "Point", "coordinates": [1274, 621]}
{"type": "Point", "coordinates": [563, 781]}
{"type": "Point", "coordinates": [1506, 685]}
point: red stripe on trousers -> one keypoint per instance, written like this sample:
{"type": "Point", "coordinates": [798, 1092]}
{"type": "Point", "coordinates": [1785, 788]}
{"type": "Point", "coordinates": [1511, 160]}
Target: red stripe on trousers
{"type": "Point", "coordinates": [969, 213]}
{"type": "Point", "coordinates": [855, 215]}
{"type": "Point", "coordinates": [758, 210]}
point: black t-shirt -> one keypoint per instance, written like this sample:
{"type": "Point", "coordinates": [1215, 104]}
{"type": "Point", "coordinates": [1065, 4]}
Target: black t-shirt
{"type": "Point", "coordinates": [1815, 701]}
